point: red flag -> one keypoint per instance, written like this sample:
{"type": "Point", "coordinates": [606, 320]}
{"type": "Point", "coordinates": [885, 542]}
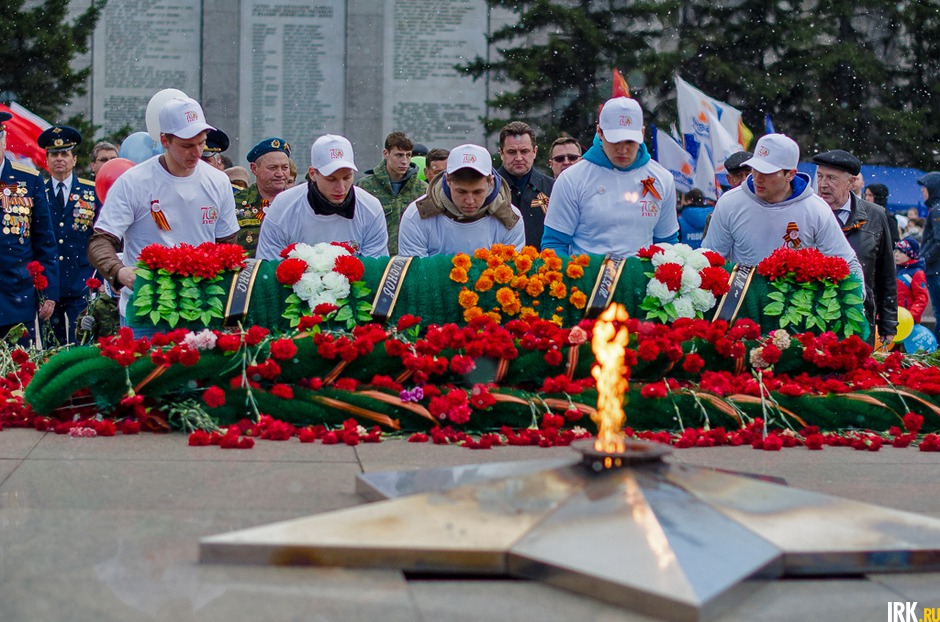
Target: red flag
{"type": "Point", "coordinates": [22, 131]}
{"type": "Point", "coordinates": [620, 87]}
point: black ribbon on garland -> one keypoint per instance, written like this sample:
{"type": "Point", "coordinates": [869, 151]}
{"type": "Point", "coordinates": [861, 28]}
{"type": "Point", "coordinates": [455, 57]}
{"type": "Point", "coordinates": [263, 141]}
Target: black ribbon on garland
{"type": "Point", "coordinates": [390, 287]}
{"type": "Point", "coordinates": [239, 294]}
{"type": "Point", "coordinates": [730, 303]}
{"type": "Point", "coordinates": [605, 285]}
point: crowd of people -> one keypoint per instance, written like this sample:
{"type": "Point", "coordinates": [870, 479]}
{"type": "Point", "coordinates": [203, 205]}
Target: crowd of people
{"type": "Point", "coordinates": [611, 199]}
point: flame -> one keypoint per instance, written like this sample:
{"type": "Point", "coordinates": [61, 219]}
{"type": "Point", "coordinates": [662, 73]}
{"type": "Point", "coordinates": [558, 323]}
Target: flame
{"type": "Point", "coordinates": [609, 342]}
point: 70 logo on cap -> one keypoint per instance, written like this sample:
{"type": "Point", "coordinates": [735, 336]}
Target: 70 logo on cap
{"type": "Point", "coordinates": [625, 121]}
{"type": "Point", "coordinates": [763, 152]}
{"type": "Point", "coordinates": [469, 158]}
{"type": "Point", "coordinates": [191, 115]}
{"type": "Point", "coordinates": [336, 153]}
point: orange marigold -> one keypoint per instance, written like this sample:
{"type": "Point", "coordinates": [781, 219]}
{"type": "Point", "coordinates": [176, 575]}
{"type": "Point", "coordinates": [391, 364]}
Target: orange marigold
{"type": "Point", "coordinates": [502, 274]}
{"type": "Point", "coordinates": [504, 296]}
{"type": "Point", "coordinates": [552, 277]}
{"type": "Point", "coordinates": [552, 262]}
{"type": "Point", "coordinates": [482, 253]}
{"type": "Point", "coordinates": [556, 319]}
{"type": "Point", "coordinates": [557, 290]}
{"type": "Point", "coordinates": [574, 271]}
{"type": "Point", "coordinates": [531, 252]}
{"type": "Point", "coordinates": [458, 275]}
{"type": "Point", "coordinates": [471, 313]}
{"type": "Point", "coordinates": [519, 282]}
{"type": "Point", "coordinates": [523, 263]}
{"type": "Point", "coordinates": [535, 287]}
{"type": "Point", "coordinates": [582, 260]}
{"type": "Point", "coordinates": [528, 313]}
{"type": "Point", "coordinates": [467, 299]}
{"type": "Point", "coordinates": [461, 260]}
{"type": "Point", "coordinates": [496, 317]}
{"type": "Point", "coordinates": [483, 284]}
{"type": "Point", "coordinates": [578, 300]}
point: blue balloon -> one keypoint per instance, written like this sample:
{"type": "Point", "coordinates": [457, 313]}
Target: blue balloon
{"type": "Point", "coordinates": [139, 147]}
{"type": "Point", "coordinates": [921, 338]}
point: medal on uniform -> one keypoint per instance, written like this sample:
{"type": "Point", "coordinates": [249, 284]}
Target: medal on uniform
{"type": "Point", "coordinates": [158, 216]}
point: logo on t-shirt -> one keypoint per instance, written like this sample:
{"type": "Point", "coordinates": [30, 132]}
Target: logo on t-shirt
{"type": "Point", "coordinates": [649, 209]}
{"type": "Point", "coordinates": [209, 215]}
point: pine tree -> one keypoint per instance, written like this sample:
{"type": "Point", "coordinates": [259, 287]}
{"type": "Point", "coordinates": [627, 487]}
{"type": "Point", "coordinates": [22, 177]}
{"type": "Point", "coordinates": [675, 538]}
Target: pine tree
{"type": "Point", "coordinates": [554, 63]}
{"type": "Point", "coordinates": [38, 46]}
{"type": "Point", "coordinates": [918, 93]}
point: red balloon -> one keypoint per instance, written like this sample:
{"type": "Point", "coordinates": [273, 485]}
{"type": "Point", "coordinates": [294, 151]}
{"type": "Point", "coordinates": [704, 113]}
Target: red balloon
{"type": "Point", "coordinates": [108, 173]}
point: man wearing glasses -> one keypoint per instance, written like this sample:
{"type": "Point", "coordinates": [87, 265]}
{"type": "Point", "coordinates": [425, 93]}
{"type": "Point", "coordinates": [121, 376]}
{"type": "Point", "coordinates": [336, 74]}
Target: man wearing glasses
{"type": "Point", "coordinates": [101, 154]}
{"type": "Point", "coordinates": [530, 188]}
{"type": "Point", "coordinates": [564, 153]}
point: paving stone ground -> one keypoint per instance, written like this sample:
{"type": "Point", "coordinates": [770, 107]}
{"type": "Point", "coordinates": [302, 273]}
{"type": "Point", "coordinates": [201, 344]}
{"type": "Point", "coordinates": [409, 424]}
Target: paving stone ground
{"type": "Point", "coordinates": [105, 529]}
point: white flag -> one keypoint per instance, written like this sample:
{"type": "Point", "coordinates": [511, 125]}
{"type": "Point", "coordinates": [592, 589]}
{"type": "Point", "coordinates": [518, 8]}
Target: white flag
{"type": "Point", "coordinates": [694, 108]}
{"type": "Point", "coordinates": [722, 144]}
{"type": "Point", "coordinates": [704, 178]}
{"type": "Point", "coordinates": [675, 159]}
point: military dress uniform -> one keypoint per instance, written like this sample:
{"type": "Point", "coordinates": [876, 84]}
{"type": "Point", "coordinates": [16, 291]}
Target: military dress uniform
{"type": "Point", "coordinates": [26, 235]}
{"type": "Point", "coordinates": [250, 206]}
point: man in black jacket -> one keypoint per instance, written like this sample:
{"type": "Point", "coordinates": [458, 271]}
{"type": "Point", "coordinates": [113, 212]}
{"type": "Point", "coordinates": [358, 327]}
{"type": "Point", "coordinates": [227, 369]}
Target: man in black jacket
{"type": "Point", "coordinates": [866, 228]}
{"type": "Point", "coordinates": [930, 244]}
{"type": "Point", "coordinates": [530, 189]}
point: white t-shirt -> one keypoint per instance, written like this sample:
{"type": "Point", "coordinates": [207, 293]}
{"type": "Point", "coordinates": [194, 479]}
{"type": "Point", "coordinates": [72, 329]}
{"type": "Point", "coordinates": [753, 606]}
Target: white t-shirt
{"type": "Point", "coordinates": [290, 219]}
{"type": "Point", "coordinates": [609, 211]}
{"type": "Point", "coordinates": [198, 208]}
{"type": "Point", "coordinates": [440, 235]}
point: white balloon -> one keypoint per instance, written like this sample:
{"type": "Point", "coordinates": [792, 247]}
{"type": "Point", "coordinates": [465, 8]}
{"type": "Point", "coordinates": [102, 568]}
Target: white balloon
{"type": "Point", "coordinates": [153, 110]}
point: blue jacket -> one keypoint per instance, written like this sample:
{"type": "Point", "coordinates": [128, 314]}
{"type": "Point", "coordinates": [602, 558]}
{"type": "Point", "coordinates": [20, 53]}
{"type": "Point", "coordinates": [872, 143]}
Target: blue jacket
{"type": "Point", "coordinates": [73, 226]}
{"type": "Point", "coordinates": [692, 221]}
{"type": "Point", "coordinates": [26, 235]}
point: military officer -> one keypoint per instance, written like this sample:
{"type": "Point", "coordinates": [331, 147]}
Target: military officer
{"type": "Point", "coordinates": [216, 142]}
{"type": "Point", "coordinates": [270, 164]}
{"type": "Point", "coordinates": [26, 235]}
{"type": "Point", "coordinates": [72, 202]}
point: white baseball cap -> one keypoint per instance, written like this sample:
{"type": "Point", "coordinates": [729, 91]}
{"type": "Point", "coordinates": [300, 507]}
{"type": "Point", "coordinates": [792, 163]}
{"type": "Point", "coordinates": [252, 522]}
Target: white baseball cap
{"type": "Point", "coordinates": [183, 117]}
{"type": "Point", "coordinates": [774, 152]}
{"type": "Point", "coordinates": [330, 153]}
{"type": "Point", "coordinates": [622, 119]}
{"type": "Point", "coordinates": [470, 156]}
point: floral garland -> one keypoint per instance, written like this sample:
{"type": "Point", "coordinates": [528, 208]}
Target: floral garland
{"type": "Point", "coordinates": [685, 283]}
{"type": "Point", "coordinates": [173, 274]}
{"type": "Point", "coordinates": [814, 292]}
{"type": "Point", "coordinates": [517, 283]}
{"type": "Point", "coordinates": [322, 278]}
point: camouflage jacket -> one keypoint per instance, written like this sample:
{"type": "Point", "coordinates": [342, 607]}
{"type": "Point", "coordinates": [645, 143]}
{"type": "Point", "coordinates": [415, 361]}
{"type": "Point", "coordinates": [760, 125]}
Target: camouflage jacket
{"type": "Point", "coordinates": [378, 184]}
{"type": "Point", "coordinates": [249, 210]}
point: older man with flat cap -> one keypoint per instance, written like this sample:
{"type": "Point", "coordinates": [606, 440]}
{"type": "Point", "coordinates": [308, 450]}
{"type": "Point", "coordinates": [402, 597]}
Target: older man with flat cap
{"type": "Point", "coordinates": [735, 168]}
{"type": "Point", "coordinates": [270, 164]}
{"type": "Point", "coordinates": [867, 229]}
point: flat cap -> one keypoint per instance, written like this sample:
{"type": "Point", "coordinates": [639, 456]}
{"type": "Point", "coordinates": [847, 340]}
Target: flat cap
{"type": "Point", "coordinates": [59, 138]}
{"type": "Point", "coordinates": [735, 161]}
{"type": "Point", "coordinates": [267, 146]}
{"type": "Point", "coordinates": [840, 159]}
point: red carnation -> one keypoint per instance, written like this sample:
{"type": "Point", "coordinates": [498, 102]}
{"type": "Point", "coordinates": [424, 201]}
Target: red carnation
{"type": "Point", "coordinates": [308, 321]}
{"type": "Point", "coordinates": [324, 308]}
{"type": "Point", "coordinates": [654, 390]}
{"type": "Point", "coordinates": [34, 268]}
{"type": "Point", "coordinates": [256, 335]}
{"type": "Point", "coordinates": [283, 391]}
{"type": "Point", "coordinates": [771, 353]}
{"type": "Point", "coordinates": [214, 397]}
{"type": "Point", "coordinates": [407, 321]}
{"type": "Point", "coordinates": [648, 252]}
{"type": "Point", "coordinates": [199, 438]}
{"type": "Point", "coordinates": [670, 274]}
{"type": "Point", "coordinates": [350, 267]}
{"type": "Point", "coordinates": [40, 282]}
{"type": "Point", "coordinates": [283, 349]}
{"type": "Point", "coordinates": [287, 250]}
{"type": "Point", "coordinates": [19, 356]}
{"type": "Point", "coordinates": [714, 258]}
{"type": "Point", "coordinates": [693, 363]}
{"type": "Point", "coordinates": [93, 283]}
{"type": "Point", "coordinates": [715, 280]}
{"type": "Point", "coordinates": [290, 271]}
{"type": "Point", "coordinates": [228, 342]}
{"type": "Point", "coordinates": [913, 422]}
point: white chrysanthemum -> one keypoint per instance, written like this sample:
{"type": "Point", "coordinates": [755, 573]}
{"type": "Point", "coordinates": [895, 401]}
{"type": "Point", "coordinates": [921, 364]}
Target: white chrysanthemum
{"type": "Point", "coordinates": [309, 286]}
{"type": "Point", "coordinates": [203, 340]}
{"type": "Point", "coordinates": [780, 338]}
{"type": "Point", "coordinates": [658, 290]}
{"type": "Point", "coordinates": [682, 250]}
{"type": "Point", "coordinates": [667, 256]}
{"type": "Point", "coordinates": [321, 298]}
{"type": "Point", "coordinates": [683, 307]}
{"type": "Point", "coordinates": [702, 299]}
{"type": "Point", "coordinates": [336, 284]}
{"type": "Point", "coordinates": [691, 280]}
{"type": "Point", "coordinates": [696, 261]}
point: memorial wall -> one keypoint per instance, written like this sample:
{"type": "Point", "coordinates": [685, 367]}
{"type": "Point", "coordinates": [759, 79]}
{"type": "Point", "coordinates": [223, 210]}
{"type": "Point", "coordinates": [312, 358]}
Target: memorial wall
{"type": "Point", "coordinates": [297, 69]}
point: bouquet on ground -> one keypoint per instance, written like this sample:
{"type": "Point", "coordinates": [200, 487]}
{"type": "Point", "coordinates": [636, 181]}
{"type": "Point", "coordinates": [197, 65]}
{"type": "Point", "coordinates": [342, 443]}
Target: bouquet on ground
{"type": "Point", "coordinates": [326, 281]}
{"type": "Point", "coordinates": [685, 282]}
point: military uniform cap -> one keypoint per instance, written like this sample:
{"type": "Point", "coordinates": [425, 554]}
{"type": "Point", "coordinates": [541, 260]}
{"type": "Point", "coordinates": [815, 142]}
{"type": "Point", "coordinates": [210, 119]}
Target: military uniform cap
{"type": "Point", "coordinates": [735, 161]}
{"type": "Point", "coordinates": [267, 146]}
{"type": "Point", "coordinates": [840, 159]}
{"type": "Point", "coordinates": [216, 142]}
{"type": "Point", "coordinates": [59, 138]}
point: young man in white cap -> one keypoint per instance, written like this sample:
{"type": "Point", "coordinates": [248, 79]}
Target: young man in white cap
{"type": "Point", "coordinates": [327, 209]}
{"type": "Point", "coordinates": [466, 208]}
{"type": "Point", "coordinates": [775, 207]}
{"type": "Point", "coordinates": [170, 199]}
{"type": "Point", "coordinates": [616, 199]}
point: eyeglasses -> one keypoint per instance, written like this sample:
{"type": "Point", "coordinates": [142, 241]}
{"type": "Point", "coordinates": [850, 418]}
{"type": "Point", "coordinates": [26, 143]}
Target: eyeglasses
{"type": "Point", "coordinates": [569, 157]}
